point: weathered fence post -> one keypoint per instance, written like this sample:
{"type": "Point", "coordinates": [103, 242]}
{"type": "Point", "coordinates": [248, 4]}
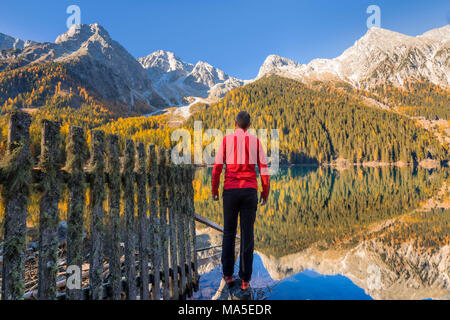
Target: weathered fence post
{"type": "Point", "coordinates": [77, 154]}
{"type": "Point", "coordinates": [179, 192]}
{"type": "Point", "coordinates": [16, 172]}
{"type": "Point", "coordinates": [155, 241]}
{"type": "Point", "coordinates": [187, 226]}
{"type": "Point", "coordinates": [113, 169]}
{"type": "Point", "coordinates": [128, 188]}
{"type": "Point", "coordinates": [143, 220]}
{"type": "Point", "coordinates": [96, 210]}
{"type": "Point", "coordinates": [162, 195]}
{"type": "Point", "coordinates": [173, 208]}
{"type": "Point", "coordinates": [49, 215]}
{"type": "Point", "coordinates": [191, 211]}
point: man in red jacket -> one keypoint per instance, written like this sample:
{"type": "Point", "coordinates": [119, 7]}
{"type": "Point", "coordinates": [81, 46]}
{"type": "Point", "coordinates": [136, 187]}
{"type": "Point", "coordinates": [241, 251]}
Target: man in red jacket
{"type": "Point", "coordinates": [240, 151]}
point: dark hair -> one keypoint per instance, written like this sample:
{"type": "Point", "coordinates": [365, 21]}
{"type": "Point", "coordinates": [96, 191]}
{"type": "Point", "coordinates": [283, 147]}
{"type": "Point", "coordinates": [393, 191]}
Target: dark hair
{"type": "Point", "coordinates": [243, 120]}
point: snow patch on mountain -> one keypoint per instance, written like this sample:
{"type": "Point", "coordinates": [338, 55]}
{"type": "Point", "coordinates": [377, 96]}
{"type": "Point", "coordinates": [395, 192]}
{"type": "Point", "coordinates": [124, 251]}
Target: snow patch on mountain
{"type": "Point", "coordinates": [105, 64]}
{"type": "Point", "coordinates": [439, 34]}
{"type": "Point", "coordinates": [379, 56]}
{"type": "Point", "coordinates": [176, 80]}
{"type": "Point", "coordinates": [8, 42]}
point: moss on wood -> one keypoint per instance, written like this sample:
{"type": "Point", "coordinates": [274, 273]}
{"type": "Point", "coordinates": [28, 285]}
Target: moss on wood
{"type": "Point", "coordinates": [77, 155]}
{"type": "Point", "coordinates": [154, 238]}
{"type": "Point", "coordinates": [97, 196]}
{"type": "Point", "coordinates": [16, 171]}
{"type": "Point", "coordinates": [141, 183]}
{"type": "Point", "coordinates": [129, 189]}
{"type": "Point", "coordinates": [48, 211]}
{"type": "Point", "coordinates": [173, 207]}
{"type": "Point", "coordinates": [113, 170]}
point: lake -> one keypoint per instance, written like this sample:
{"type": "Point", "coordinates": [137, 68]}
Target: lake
{"type": "Point", "coordinates": [359, 233]}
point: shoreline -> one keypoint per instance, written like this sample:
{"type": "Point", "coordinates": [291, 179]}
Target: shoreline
{"type": "Point", "coordinates": [426, 164]}
{"type": "Point", "coordinates": [342, 164]}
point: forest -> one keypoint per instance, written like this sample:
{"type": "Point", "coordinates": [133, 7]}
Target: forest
{"type": "Point", "coordinates": [321, 123]}
{"type": "Point", "coordinates": [317, 124]}
{"type": "Point", "coordinates": [416, 98]}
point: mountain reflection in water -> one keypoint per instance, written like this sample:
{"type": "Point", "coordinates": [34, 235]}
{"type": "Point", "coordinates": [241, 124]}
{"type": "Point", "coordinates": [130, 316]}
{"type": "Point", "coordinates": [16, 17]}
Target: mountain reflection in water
{"type": "Point", "coordinates": [353, 234]}
{"type": "Point", "coordinates": [306, 285]}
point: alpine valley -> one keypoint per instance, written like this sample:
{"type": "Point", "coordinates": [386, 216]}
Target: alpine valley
{"type": "Point", "coordinates": [386, 99]}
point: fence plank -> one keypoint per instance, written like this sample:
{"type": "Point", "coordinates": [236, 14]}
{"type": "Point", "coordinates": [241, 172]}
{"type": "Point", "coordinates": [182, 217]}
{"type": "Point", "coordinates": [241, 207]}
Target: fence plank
{"type": "Point", "coordinates": [187, 233]}
{"type": "Point", "coordinates": [113, 170]}
{"type": "Point", "coordinates": [143, 220]}
{"type": "Point", "coordinates": [154, 238]}
{"type": "Point", "coordinates": [180, 229]}
{"type": "Point", "coordinates": [16, 172]}
{"type": "Point", "coordinates": [48, 211]}
{"type": "Point", "coordinates": [77, 154]}
{"type": "Point", "coordinates": [173, 208]}
{"type": "Point", "coordinates": [164, 236]}
{"type": "Point", "coordinates": [96, 199]}
{"type": "Point", "coordinates": [130, 247]}
{"type": "Point", "coordinates": [191, 211]}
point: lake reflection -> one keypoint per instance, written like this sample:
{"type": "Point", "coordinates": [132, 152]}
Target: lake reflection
{"type": "Point", "coordinates": [306, 285]}
{"type": "Point", "coordinates": [310, 285]}
{"type": "Point", "coordinates": [352, 229]}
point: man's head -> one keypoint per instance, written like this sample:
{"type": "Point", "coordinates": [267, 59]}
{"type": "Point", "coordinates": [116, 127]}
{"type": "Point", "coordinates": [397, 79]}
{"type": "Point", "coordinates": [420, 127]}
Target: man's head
{"type": "Point", "coordinates": [243, 120]}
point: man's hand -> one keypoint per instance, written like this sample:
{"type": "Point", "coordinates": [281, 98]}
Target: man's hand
{"type": "Point", "coordinates": [215, 197]}
{"type": "Point", "coordinates": [262, 200]}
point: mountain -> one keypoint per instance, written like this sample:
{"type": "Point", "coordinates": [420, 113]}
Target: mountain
{"type": "Point", "coordinates": [404, 272]}
{"type": "Point", "coordinates": [94, 61]}
{"type": "Point", "coordinates": [439, 34]}
{"type": "Point", "coordinates": [100, 63]}
{"type": "Point", "coordinates": [106, 65]}
{"type": "Point", "coordinates": [176, 80]}
{"type": "Point", "coordinates": [379, 57]}
{"type": "Point", "coordinates": [7, 42]}
{"type": "Point", "coordinates": [280, 66]}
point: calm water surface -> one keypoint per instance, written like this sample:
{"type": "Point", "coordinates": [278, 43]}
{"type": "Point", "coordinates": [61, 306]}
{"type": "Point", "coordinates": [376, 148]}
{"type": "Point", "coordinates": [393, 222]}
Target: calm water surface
{"type": "Point", "coordinates": [327, 234]}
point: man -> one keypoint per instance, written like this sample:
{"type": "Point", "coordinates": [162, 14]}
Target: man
{"type": "Point", "coordinates": [240, 151]}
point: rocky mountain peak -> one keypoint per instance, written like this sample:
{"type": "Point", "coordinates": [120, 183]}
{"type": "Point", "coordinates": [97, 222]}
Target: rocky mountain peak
{"type": "Point", "coordinates": [278, 65]}
{"type": "Point", "coordinates": [176, 80]}
{"type": "Point", "coordinates": [277, 61]}
{"type": "Point", "coordinates": [8, 42]}
{"type": "Point", "coordinates": [378, 57]}
{"type": "Point", "coordinates": [377, 33]}
{"type": "Point", "coordinates": [78, 34]}
{"type": "Point", "coordinates": [439, 34]}
{"type": "Point", "coordinates": [110, 68]}
{"type": "Point", "coordinates": [164, 61]}
{"type": "Point", "coordinates": [208, 74]}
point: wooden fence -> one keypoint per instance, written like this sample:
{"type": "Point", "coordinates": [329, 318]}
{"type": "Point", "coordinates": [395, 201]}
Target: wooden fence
{"type": "Point", "coordinates": [153, 254]}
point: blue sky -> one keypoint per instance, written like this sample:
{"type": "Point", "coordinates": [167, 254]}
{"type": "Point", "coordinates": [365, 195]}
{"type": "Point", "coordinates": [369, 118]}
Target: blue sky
{"type": "Point", "coordinates": [233, 35]}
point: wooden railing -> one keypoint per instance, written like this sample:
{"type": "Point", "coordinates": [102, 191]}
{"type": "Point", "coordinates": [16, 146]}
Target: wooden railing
{"type": "Point", "coordinates": [210, 224]}
{"type": "Point", "coordinates": [152, 256]}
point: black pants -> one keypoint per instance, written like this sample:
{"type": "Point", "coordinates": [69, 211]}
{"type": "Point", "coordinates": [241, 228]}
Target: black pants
{"type": "Point", "coordinates": [245, 202]}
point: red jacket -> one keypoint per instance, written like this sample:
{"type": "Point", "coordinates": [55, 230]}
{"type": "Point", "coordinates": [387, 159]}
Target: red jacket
{"type": "Point", "coordinates": [240, 151]}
